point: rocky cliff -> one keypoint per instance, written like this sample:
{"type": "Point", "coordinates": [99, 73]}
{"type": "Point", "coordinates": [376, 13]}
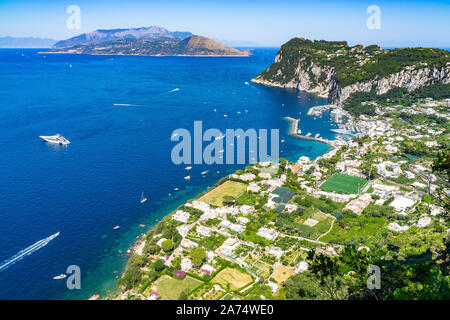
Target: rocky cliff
{"type": "Point", "coordinates": [335, 70]}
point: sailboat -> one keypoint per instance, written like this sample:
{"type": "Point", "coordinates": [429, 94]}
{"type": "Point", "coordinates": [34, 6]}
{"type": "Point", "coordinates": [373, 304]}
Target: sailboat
{"type": "Point", "coordinates": [143, 199]}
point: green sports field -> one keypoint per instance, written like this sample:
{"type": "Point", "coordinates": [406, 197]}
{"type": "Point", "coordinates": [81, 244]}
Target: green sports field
{"type": "Point", "coordinates": [344, 183]}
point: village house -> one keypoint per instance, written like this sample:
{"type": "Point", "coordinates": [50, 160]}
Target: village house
{"type": "Point", "coordinates": [186, 264]}
{"type": "Point", "coordinates": [181, 216]}
{"type": "Point", "coordinates": [359, 204]}
{"type": "Point", "coordinates": [204, 231]}
{"type": "Point", "coordinates": [269, 234]}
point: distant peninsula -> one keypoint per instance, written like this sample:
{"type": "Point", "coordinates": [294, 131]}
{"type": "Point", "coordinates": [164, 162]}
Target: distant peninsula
{"type": "Point", "coordinates": [151, 41]}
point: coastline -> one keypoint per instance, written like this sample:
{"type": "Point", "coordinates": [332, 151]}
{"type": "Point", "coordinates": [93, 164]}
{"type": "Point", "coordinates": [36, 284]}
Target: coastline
{"type": "Point", "coordinates": [289, 85]}
{"type": "Point", "coordinates": [137, 246]}
{"type": "Point", "coordinates": [147, 55]}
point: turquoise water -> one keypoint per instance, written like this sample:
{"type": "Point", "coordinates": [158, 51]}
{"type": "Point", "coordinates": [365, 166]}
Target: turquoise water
{"type": "Point", "coordinates": [85, 189]}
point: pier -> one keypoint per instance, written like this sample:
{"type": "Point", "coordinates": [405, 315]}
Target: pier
{"type": "Point", "coordinates": [293, 131]}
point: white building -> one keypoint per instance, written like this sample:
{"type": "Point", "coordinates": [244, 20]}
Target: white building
{"type": "Point", "coordinates": [186, 264]}
{"type": "Point", "coordinates": [394, 226]}
{"type": "Point", "coordinates": [246, 209]}
{"type": "Point", "coordinates": [401, 203]}
{"type": "Point", "coordinates": [302, 267]}
{"type": "Point", "coordinates": [204, 231]}
{"type": "Point", "coordinates": [269, 234]}
{"type": "Point", "coordinates": [181, 216]}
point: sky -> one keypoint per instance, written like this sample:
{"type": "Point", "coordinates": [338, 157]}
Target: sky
{"type": "Point", "coordinates": [249, 22]}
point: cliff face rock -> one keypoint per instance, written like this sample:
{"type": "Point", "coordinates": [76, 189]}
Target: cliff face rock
{"type": "Point", "coordinates": [335, 70]}
{"type": "Point", "coordinates": [409, 78]}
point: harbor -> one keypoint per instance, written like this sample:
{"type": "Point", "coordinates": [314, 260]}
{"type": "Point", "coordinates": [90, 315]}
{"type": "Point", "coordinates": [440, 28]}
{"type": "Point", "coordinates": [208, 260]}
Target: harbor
{"type": "Point", "coordinates": [293, 131]}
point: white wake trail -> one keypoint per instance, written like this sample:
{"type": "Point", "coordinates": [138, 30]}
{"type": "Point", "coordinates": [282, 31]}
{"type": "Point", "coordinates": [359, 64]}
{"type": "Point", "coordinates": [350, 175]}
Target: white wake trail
{"type": "Point", "coordinates": [27, 251]}
{"type": "Point", "coordinates": [174, 90]}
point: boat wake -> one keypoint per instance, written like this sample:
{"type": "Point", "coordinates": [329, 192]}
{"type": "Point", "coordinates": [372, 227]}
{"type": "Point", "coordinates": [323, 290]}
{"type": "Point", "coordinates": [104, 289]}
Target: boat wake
{"type": "Point", "coordinates": [174, 90]}
{"type": "Point", "coordinates": [125, 105]}
{"type": "Point", "coordinates": [248, 84]}
{"type": "Point", "coordinates": [27, 251]}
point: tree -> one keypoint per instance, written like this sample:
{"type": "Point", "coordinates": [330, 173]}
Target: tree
{"type": "Point", "coordinates": [167, 245]}
{"type": "Point", "coordinates": [198, 254]}
{"type": "Point", "coordinates": [184, 295]}
{"type": "Point", "coordinates": [228, 200]}
{"type": "Point", "coordinates": [441, 166]}
{"type": "Point", "coordinates": [158, 265]}
{"type": "Point", "coordinates": [153, 249]}
{"type": "Point", "coordinates": [442, 163]}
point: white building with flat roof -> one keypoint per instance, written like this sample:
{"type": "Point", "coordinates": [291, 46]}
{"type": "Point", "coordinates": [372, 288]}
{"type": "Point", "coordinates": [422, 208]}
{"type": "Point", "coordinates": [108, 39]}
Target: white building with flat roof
{"type": "Point", "coordinates": [401, 203]}
{"type": "Point", "coordinates": [181, 216]}
{"type": "Point", "coordinates": [269, 234]}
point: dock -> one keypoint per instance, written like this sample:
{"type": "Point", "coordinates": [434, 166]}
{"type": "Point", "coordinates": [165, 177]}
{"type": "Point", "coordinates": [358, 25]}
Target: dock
{"type": "Point", "coordinates": [293, 131]}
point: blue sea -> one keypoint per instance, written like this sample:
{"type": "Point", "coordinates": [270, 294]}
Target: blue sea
{"type": "Point", "coordinates": [119, 113]}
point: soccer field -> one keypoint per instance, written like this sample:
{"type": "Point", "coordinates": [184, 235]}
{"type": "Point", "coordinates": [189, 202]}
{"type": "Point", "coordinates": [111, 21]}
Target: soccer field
{"type": "Point", "coordinates": [339, 182]}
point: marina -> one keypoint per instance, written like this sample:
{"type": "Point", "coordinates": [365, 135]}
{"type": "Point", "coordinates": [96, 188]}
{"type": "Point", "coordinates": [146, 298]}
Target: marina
{"type": "Point", "coordinates": [294, 131]}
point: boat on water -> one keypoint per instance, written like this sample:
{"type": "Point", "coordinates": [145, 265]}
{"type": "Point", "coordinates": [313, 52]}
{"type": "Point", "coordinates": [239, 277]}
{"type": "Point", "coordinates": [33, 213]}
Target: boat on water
{"type": "Point", "coordinates": [308, 134]}
{"type": "Point", "coordinates": [317, 135]}
{"type": "Point", "coordinates": [61, 276]}
{"type": "Point", "coordinates": [116, 228]}
{"type": "Point", "coordinates": [143, 199]}
{"type": "Point", "coordinates": [205, 172]}
{"type": "Point", "coordinates": [188, 168]}
{"type": "Point", "coordinates": [187, 178]}
{"type": "Point", "coordinates": [341, 131]}
{"type": "Point", "coordinates": [57, 138]}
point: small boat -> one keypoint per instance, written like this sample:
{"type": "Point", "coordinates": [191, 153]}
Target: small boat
{"type": "Point", "coordinates": [205, 172]}
{"type": "Point", "coordinates": [308, 134]}
{"type": "Point", "coordinates": [58, 139]}
{"type": "Point", "coordinates": [116, 228]}
{"type": "Point", "coordinates": [142, 225]}
{"type": "Point", "coordinates": [187, 178]}
{"type": "Point", "coordinates": [176, 189]}
{"type": "Point", "coordinates": [143, 199]}
{"type": "Point", "coordinates": [188, 168]}
{"type": "Point", "coordinates": [61, 276]}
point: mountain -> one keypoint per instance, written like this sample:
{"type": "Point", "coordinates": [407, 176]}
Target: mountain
{"type": "Point", "coordinates": [336, 70]}
{"type": "Point", "coordinates": [98, 36]}
{"type": "Point", "coordinates": [12, 42]}
{"type": "Point", "coordinates": [192, 46]}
